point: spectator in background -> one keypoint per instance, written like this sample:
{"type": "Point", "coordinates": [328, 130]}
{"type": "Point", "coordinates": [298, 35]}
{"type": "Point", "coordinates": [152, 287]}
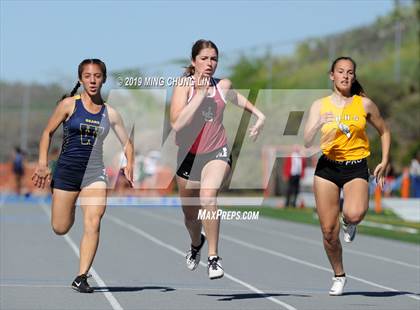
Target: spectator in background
{"type": "Point", "coordinates": [18, 168]}
{"type": "Point", "coordinates": [138, 173]}
{"type": "Point", "coordinates": [389, 180]}
{"type": "Point", "coordinates": [151, 163]}
{"type": "Point", "coordinates": [415, 175]}
{"type": "Point", "coordinates": [293, 171]}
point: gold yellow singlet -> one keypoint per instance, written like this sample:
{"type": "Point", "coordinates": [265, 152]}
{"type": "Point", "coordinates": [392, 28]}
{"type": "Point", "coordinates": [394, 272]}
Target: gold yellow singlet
{"type": "Point", "coordinates": [345, 139]}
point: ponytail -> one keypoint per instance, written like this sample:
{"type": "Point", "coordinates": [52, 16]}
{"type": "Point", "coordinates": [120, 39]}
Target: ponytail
{"type": "Point", "coordinates": [72, 93]}
{"type": "Point", "coordinates": [357, 89]}
{"type": "Point", "coordinates": [190, 70]}
{"type": "Point", "coordinates": [75, 88]}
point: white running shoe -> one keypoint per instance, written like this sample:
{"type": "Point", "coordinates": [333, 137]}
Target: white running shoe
{"type": "Point", "coordinates": [338, 286]}
{"type": "Point", "coordinates": [349, 231]}
{"type": "Point", "coordinates": [214, 268]}
{"type": "Point", "coordinates": [193, 255]}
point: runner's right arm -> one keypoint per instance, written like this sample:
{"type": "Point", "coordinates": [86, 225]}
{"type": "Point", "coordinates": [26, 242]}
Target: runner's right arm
{"type": "Point", "coordinates": [60, 114]}
{"type": "Point", "coordinates": [183, 111]}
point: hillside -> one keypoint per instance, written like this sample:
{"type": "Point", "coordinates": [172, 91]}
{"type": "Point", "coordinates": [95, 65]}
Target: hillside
{"type": "Point", "coordinates": [373, 48]}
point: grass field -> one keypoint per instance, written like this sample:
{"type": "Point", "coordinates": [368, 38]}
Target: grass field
{"type": "Point", "coordinates": [309, 216]}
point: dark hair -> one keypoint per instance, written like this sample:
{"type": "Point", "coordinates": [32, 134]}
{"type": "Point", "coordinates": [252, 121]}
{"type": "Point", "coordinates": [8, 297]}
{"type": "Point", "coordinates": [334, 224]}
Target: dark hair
{"type": "Point", "coordinates": [89, 61]}
{"type": "Point", "coordinates": [195, 50]}
{"type": "Point", "coordinates": [356, 87]}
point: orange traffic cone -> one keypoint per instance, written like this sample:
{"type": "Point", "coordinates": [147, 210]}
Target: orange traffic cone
{"type": "Point", "coordinates": [378, 199]}
{"type": "Point", "coordinates": [405, 184]}
{"type": "Point", "coordinates": [302, 204]}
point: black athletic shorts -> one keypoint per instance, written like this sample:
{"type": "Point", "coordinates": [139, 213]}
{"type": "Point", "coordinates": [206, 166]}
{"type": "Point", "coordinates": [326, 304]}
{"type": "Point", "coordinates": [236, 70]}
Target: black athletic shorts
{"type": "Point", "coordinates": [341, 172]}
{"type": "Point", "coordinates": [73, 177]}
{"type": "Point", "coordinates": [190, 165]}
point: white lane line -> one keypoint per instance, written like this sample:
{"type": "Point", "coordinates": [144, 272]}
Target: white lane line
{"type": "Point", "coordinates": [184, 288]}
{"type": "Point", "coordinates": [195, 288]}
{"type": "Point", "coordinates": [409, 230]}
{"type": "Point", "coordinates": [32, 285]}
{"type": "Point", "coordinates": [319, 243]}
{"type": "Point", "coordinates": [303, 262]}
{"type": "Point", "coordinates": [294, 237]}
{"type": "Point", "coordinates": [108, 295]}
{"type": "Point", "coordinates": [177, 251]}
{"type": "Point", "coordinates": [287, 257]}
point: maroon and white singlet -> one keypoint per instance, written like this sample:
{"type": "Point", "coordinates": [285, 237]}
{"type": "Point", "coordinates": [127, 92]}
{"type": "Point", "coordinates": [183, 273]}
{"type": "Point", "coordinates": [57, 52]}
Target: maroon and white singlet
{"type": "Point", "coordinates": [206, 132]}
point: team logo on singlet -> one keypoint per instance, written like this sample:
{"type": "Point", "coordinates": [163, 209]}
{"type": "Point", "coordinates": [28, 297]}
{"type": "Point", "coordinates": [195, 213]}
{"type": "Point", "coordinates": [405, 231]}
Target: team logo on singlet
{"type": "Point", "coordinates": [208, 115]}
{"type": "Point", "coordinates": [222, 153]}
{"type": "Point", "coordinates": [345, 129]}
{"type": "Point", "coordinates": [89, 133]}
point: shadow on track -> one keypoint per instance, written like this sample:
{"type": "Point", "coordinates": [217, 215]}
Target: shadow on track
{"type": "Point", "coordinates": [228, 297]}
{"type": "Point", "coordinates": [380, 294]}
{"type": "Point", "coordinates": [132, 288]}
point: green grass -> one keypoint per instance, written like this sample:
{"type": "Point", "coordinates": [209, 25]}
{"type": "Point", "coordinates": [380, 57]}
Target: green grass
{"type": "Point", "coordinates": [308, 216]}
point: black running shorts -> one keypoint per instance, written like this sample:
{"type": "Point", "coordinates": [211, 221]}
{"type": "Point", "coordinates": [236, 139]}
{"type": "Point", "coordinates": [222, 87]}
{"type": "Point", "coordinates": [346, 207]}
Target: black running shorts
{"type": "Point", "coordinates": [190, 165]}
{"type": "Point", "coordinates": [341, 172]}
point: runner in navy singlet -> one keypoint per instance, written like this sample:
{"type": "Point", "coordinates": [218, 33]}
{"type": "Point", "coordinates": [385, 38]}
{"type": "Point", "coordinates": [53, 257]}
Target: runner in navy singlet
{"type": "Point", "coordinates": [79, 172]}
{"type": "Point", "coordinates": [204, 159]}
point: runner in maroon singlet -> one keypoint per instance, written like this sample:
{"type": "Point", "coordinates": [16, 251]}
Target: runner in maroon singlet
{"type": "Point", "coordinates": [203, 158]}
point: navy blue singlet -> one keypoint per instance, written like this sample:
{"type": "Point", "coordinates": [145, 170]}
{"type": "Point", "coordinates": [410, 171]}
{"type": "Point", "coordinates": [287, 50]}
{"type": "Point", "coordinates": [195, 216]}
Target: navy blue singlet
{"type": "Point", "coordinates": [81, 160]}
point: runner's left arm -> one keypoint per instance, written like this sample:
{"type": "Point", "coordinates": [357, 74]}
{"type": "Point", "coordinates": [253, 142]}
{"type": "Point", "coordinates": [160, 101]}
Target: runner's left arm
{"type": "Point", "coordinates": [239, 100]}
{"type": "Point", "coordinates": [374, 117]}
{"type": "Point", "coordinates": [117, 125]}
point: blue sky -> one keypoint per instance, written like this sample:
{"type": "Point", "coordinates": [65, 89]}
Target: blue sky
{"type": "Point", "coordinates": [43, 41]}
